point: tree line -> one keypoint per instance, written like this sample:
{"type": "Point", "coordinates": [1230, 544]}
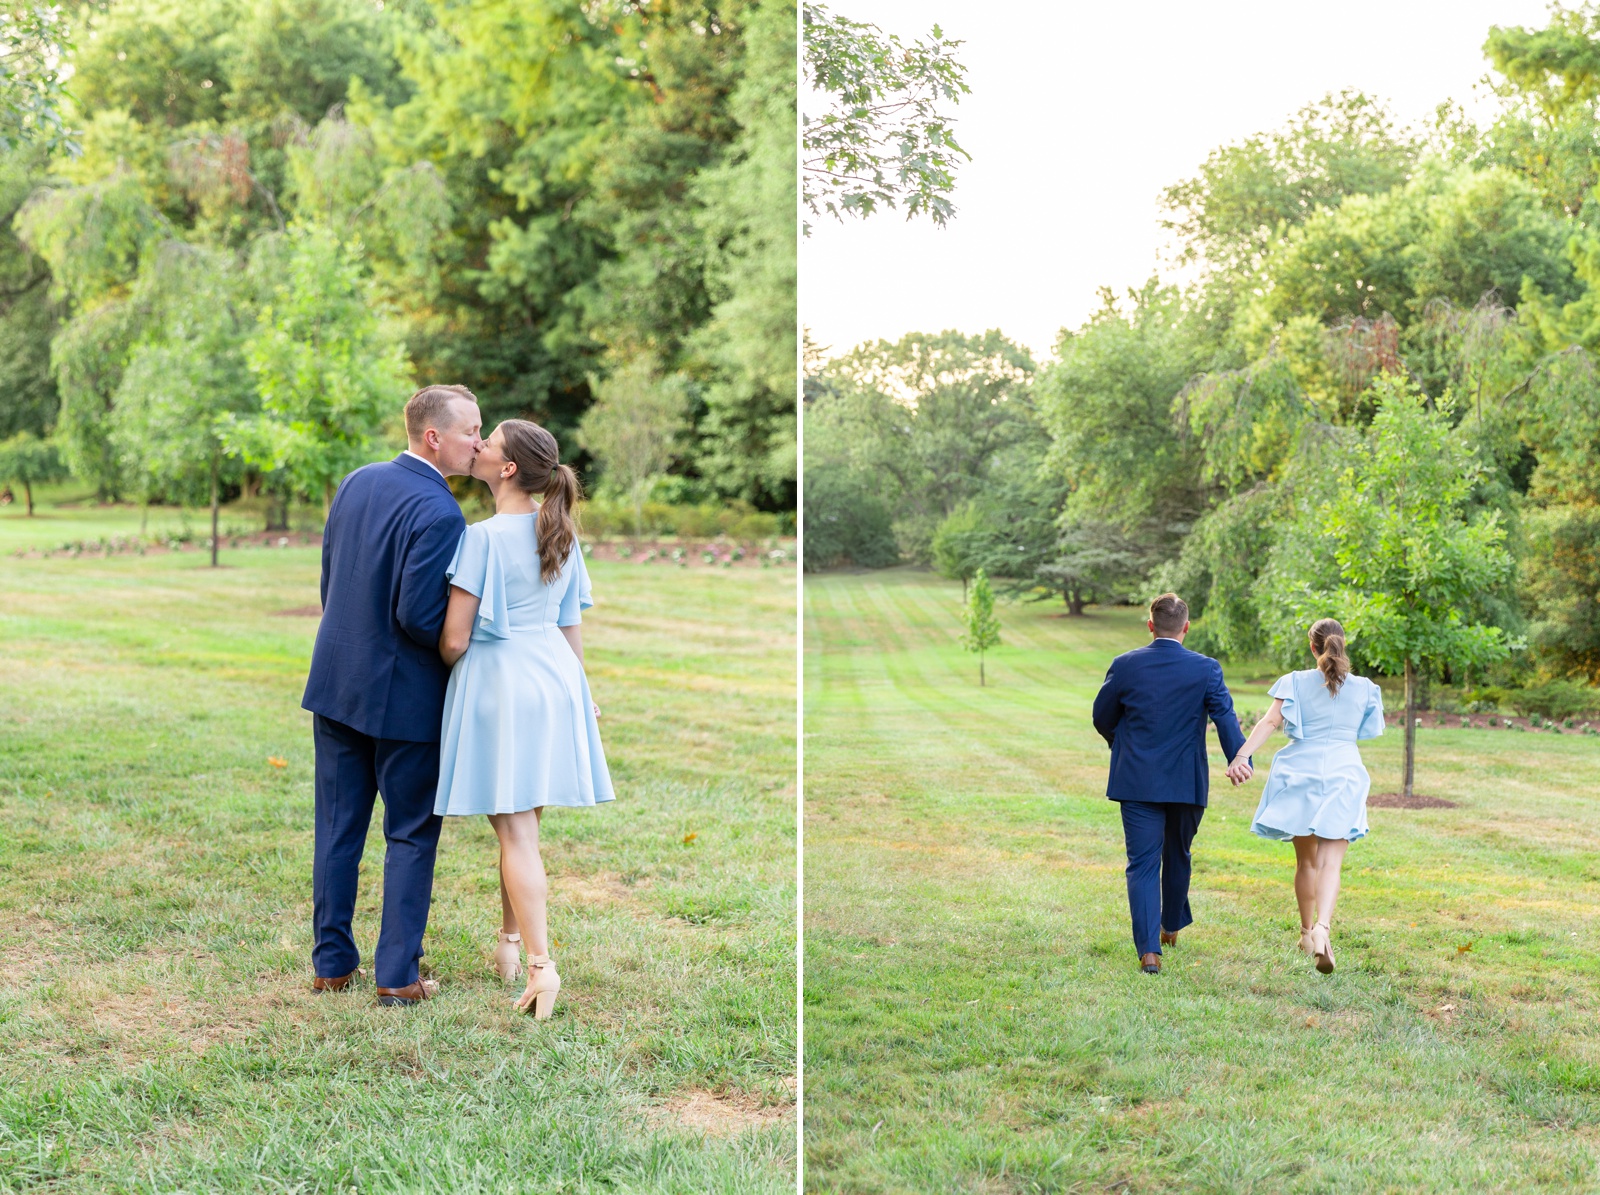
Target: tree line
{"type": "Point", "coordinates": [1381, 382]}
{"type": "Point", "coordinates": [273, 218]}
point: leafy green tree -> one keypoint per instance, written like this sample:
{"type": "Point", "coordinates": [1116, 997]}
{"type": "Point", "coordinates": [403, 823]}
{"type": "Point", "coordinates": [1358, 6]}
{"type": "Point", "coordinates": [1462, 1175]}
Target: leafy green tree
{"type": "Point", "coordinates": [1107, 403]}
{"type": "Point", "coordinates": [1410, 564]}
{"type": "Point", "coordinates": [1091, 560]}
{"type": "Point", "coordinates": [28, 314]}
{"type": "Point", "coordinates": [981, 626]}
{"type": "Point", "coordinates": [633, 429]}
{"type": "Point", "coordinates": [1561, 581]}
{"type": "Point", "coordinates": [35, 41]}
{"type": "Point", "coordinates": [959, 544]}
{"type": "Point", "coordinates": [328, 372]}
{"type": "Point", "coordinates": [846, 520]}
{"type": "Point", "coordinates": [927, 416]}
{"type": "Point", "coordinates": [1247, 196]}
{"type": "Point", "coordinates": [884, 139]}
{"type": "Point", "coordinates": [27, 460]}
{"type": "Point", "coordinates": [1557, 65]}
{"type": "Point", "coordinates": [1453, 237]}
{"type": "Point", "coordinates": [748, 432]}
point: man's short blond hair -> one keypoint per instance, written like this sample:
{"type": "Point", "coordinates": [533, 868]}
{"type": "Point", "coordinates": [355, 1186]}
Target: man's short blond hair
{"type": "Point", "coordinates": [1168, 613]}
{"type": "Point", "coordinates": [430, 407]}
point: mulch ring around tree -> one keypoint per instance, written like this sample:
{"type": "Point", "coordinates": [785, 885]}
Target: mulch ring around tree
{"type": "Point", "coordinates": [1401, 801]}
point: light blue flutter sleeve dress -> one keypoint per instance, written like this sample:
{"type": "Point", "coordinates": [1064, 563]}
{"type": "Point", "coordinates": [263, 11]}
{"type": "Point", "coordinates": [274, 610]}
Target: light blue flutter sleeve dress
{"type": "Point", "coordinates": [1318, 783]}
{"type": "Point", "coordinates": [519, 726]}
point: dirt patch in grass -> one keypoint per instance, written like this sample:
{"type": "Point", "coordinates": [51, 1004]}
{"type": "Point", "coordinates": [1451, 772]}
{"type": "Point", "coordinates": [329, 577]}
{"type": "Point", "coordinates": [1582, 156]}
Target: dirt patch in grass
{"type": "Point", "coordinates": [600, 890]}
{"type": "Point", "coordinates": [31, 945]}
{"type": "Point", "coordinates": [717, 1115]}
{"type": "Point", "coordinates": [1401, 801]}
{"type": "Point", "coordinates": [125, 1004]}
{"type": "Point", "coordinates": [299, 612]}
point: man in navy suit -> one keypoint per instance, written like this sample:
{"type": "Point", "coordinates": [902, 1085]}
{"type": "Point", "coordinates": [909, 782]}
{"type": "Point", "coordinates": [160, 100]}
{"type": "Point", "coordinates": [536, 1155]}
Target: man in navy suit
{"type": "Point", "coordinates": [1152, 709]}
{"type": "Point", "coordinates": [377, 686]}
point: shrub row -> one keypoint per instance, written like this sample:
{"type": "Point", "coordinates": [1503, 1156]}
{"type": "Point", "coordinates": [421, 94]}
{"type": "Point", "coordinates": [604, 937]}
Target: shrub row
{"type": "Point", "coordinates": [601, 517]}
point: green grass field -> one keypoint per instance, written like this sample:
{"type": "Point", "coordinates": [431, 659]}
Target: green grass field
{"type": "Point", "coordinates": [156, 1031]}
{"type": "Point", "coordinates": [68, 513]}
{"type": "Point", "coordinates": [974, 1017]}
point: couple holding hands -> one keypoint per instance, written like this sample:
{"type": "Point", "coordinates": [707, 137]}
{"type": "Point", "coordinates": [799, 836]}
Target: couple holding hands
{"type": "Point", "coordinates": [448, 676]}
{"type": "Point", "coordinates": [1152, 710]}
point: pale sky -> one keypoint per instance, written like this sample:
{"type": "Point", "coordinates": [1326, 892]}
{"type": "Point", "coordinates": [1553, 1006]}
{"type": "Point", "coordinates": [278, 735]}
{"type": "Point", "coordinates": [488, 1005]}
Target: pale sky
{"type": "Point", "coordinates": [1080, 114]}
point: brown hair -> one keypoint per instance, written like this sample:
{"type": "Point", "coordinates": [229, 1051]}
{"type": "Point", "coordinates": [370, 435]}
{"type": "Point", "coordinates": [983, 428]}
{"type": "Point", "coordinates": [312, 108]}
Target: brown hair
{"type": "Point", "coordinates": [539, 471]}
{"type": "Point", "coordinates": [430, 406]}
{"type": "Point", "coordinates": [1169, 612]}
{"type": "Point", "coordinates": [1327, 644]}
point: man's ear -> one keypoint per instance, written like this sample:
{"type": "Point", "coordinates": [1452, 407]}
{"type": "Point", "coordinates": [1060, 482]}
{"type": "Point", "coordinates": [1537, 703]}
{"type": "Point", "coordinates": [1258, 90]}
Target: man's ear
{"type": "Point", "coordinates": [431, 438]}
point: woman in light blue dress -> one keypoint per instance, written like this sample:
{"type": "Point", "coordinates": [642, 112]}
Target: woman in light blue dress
{"type": "Point", "coordinates": [520, 730]}
{"type": "Point", "coordinates": [1316, 795]}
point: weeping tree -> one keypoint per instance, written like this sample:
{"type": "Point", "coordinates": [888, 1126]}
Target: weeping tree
{"type": "Point", "coordinates": [1412, 566]}
{"type": "Point", "coordinates": [184, 375]}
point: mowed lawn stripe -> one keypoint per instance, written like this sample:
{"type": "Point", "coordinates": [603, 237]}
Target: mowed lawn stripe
{"type": "Point", "coordinates": [974, 1018]}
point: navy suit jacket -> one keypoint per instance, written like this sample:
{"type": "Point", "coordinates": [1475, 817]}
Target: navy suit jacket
{"type": "Point", "coordinates": [1152, 709]}
{"type": "Point", "coordinates": [392, 530]}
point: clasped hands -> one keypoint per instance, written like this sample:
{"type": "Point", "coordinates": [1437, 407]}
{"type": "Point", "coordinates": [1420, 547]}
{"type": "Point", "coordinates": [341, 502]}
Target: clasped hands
{"type": "Point", "coordinates": [1239, 771]}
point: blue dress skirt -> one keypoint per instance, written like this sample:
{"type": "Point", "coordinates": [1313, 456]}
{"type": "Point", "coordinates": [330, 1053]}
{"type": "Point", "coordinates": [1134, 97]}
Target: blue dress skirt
{"type": "Point", "coordinates": [519, 726]}
{"type": "Point", "coordinates": [1318, 784]}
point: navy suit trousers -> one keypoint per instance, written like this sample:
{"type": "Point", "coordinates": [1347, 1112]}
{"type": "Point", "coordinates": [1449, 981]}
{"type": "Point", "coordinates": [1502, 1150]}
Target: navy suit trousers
{"type": "Point", "coordinates": [352, 768]}
{"type": "Point", "coordinates": [1158, 836]}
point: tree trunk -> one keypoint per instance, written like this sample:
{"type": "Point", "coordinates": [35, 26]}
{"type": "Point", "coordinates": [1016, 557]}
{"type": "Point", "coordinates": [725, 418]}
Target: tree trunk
{"type": "Point", "coordinates": [1075, 603]}
{"type": "Point", "coordinates": [215, 506]}
{"type": "Point", "coordinates": [980, 670]}
{"type": "Point", "coordinates": [1411, 727]}
{"type": "Point", "coordinates": [27, 488]}
{"type": "Point", "coordinates": [964, 602]}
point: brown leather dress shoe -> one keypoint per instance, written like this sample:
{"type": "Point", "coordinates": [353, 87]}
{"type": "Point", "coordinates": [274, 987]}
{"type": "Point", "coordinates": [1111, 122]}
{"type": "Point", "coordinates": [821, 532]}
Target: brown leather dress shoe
{"type": "Point", "coordinates": [1150, 962]}
{"type": "Point", "coordinates": [1168, 939]}
{"type": "Point", "coordinates": [321, 984]}
{"type": "Point", "coordinates": [423, 989]}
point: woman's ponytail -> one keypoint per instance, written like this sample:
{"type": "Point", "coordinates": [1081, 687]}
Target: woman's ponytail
{"type": "Point", "coordinates": [1327, 644]}
{"type": "Point", "coordinates": [558, 529]}
{"type": "Point", "coordinates": [540, 471]}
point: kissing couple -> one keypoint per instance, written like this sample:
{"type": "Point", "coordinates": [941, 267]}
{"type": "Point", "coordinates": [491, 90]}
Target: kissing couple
{"type": "Point", "coordinates": [1152, 710]}
{"type": "Point", "coordinates": [448, 677]}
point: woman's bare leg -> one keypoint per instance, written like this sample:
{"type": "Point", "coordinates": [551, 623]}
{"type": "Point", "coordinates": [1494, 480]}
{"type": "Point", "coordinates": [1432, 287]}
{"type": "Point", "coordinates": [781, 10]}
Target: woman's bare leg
{"type": "Point", "coordinates": [522, 876]}
{"type": "Point", "coordinates": [1305, 880]}
{"type": "Point", "coordinates": [1330, 861]}
{"type": "Point", "coordinates": [508, 915]}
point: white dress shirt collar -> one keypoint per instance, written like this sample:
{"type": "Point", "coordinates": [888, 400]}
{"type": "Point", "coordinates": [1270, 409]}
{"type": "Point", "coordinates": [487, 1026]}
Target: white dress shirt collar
{"type": "Point", "coordinates": [425, 461]}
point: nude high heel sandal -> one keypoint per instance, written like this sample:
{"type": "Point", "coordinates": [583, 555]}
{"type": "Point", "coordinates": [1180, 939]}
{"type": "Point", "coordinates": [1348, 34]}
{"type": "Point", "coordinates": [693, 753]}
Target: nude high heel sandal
{"type": "Point", "coordinates": [1324, 948]}
{"type": "Point", "coordinates": [543, 983]}
{"type": "Point", "coordinates": [1307, 942]}
{"type": "Point", "coordinates": [508, 956]}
